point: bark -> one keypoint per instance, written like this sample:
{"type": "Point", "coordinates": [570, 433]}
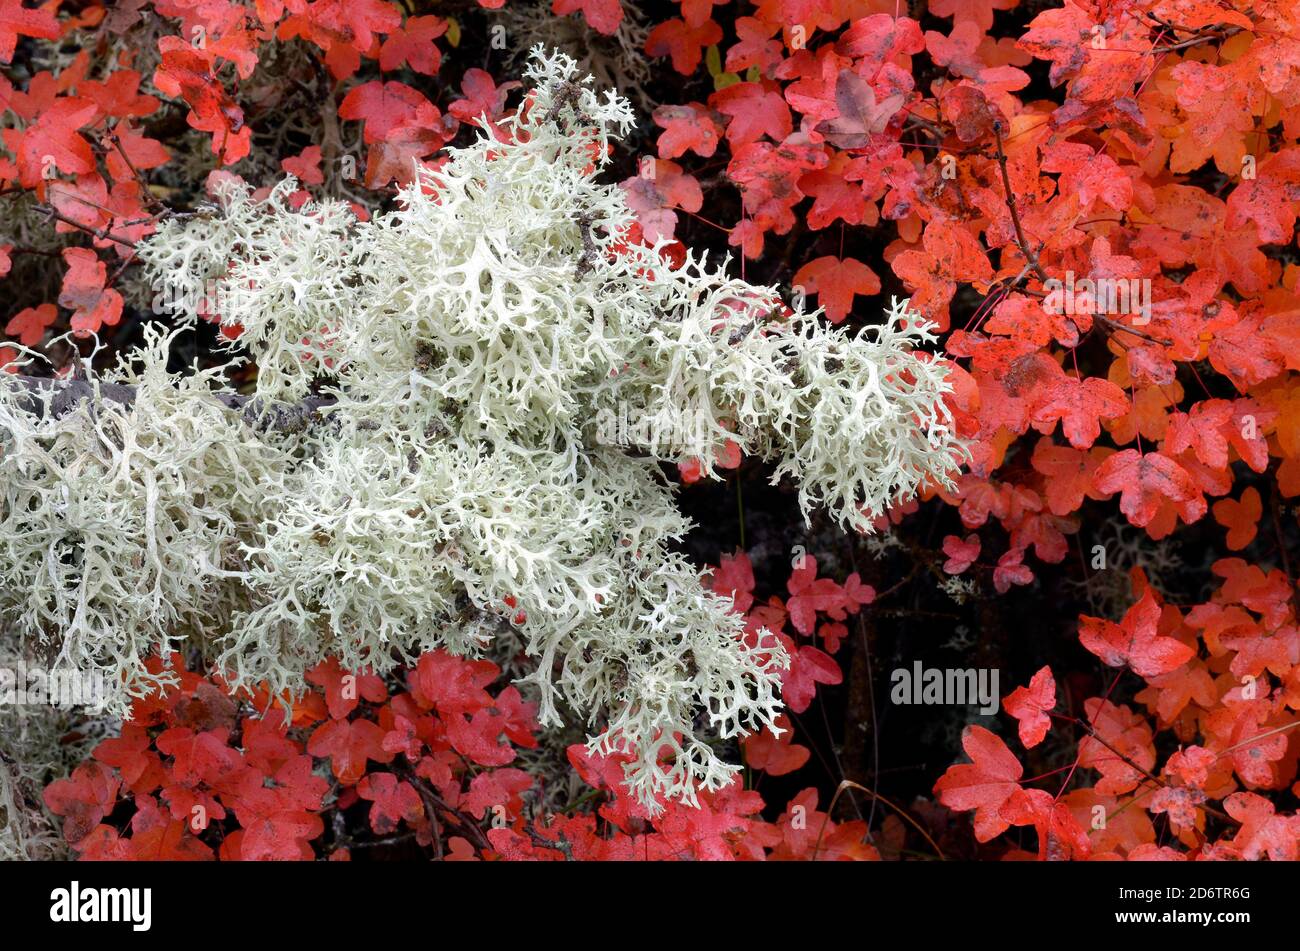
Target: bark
{"type": "Point", "coordinates": [69, 393]}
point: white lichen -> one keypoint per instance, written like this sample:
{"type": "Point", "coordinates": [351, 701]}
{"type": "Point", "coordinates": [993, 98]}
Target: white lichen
{"type": "Point", "coordinates": [456, 484]}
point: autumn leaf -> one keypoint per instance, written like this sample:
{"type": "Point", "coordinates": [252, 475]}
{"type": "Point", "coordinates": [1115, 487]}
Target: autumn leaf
{"type": "Point", "coordinates": [961, 553]}
{"type": "Point", "coordinates": [93, 305]}
{"type": "Point", "coordinates": [30, 323]}
{"type": "Point", "coordinates": [1240, 518]}
{"type": "Point", "coordinates": [1144, 481]}
{"type": "Point", "coordinates": [1031, 705]}
{"type": "Point", "coordinates": [17, 20]}
{"type": "Point", "coordinates": [1134, 642]}
{"type": "Point", "coordinates": [985, 784]}
{"type": "Point", "coordinates": [836, 281]}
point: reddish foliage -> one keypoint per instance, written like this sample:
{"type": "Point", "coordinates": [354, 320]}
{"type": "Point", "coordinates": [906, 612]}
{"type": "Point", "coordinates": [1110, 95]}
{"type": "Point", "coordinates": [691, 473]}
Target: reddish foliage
{"type": "Point", "coordinates": [1094, 204]}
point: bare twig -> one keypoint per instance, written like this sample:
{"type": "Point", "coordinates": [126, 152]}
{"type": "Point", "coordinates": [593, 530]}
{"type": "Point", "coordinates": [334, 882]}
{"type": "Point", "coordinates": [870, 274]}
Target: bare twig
{"type": "Point", "coordinates": [67, 394]}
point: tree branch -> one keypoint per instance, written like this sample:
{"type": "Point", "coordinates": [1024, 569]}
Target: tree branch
{"type": "Point", "coordinates": [283, 417]}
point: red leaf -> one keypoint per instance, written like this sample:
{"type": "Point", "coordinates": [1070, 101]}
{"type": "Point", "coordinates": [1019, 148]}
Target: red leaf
{"type": "Point", "coordinates": [756, 109]}
{"type": "Point", "coordinates": [83, 799]}
{"type": "Point", "coordinates": [809, 666]}
{"type": "Point", "coordinates": [775, 755]}
{"type": "Point", "coordinates": [413, 45]}
{"type": "Point", "coordinates": [961, 554]}
{"type": "Point", "coordinates": [686, 127]}
{"type": "Point", "coordinates": [1135, 641]}
{"type": "Point", "coordinates": [1030, 705]}
{"type": "Point", "coordinates": [985, 784]}
{"type": "Point", "coordinates": [394, 801]}
{"type": "Point", "coordinates": [836, 282]}
{"type": "Point", "coordinates": [860, 115]}
{"type": "Point", "coordinates": [1240, 518]}
{"type": "Point", "coordinates": [84, 293]}
{"type": "Point", "coordinates": [349, 743]}
{"type": "Point", "coordinates": [17, 20]}
{"type": "Point", "coordinates": [30, 323]}
{"type": "Point", "coordinates": [683, 42]}
{"type": "Point", "coordinates": [604, 16]}
{"type": "Point", "coordinates": [1144, 481]}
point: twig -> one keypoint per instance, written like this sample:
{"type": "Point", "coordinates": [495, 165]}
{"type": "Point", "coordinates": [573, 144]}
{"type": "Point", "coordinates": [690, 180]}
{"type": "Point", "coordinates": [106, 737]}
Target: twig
{"type": "Point", "coordinates": [67, 394]}
{"type": "Point", "coordinates": [1021, 240]}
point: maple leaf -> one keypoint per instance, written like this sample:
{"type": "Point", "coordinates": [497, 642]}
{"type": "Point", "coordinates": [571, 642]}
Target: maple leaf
{"type": "Point", "coordinates": [756, 109]}
{"type": "Point", "coordinates": [860, 115]}
{"type": "Point", "coordinates": [83, 292]}
{"type": "Point", "coordinates": [83, 799]}
{"type": "Point", "coordinates": [305, 166]}
{"type": "Point", "coordinates": [836, 282]}
{"type": "Point", "coordinates": [1263, 831]}
{"type": "Point", "coordinates": [413, 45]}
{"type": "Point", "coordinates": [484, 99]}
{"type": "Point", "coordinates": [394, 801]}
{"type": "Point", "coordinates": [1030, 705]}
{"type": "Point", "coordinates": [1144, 481]}
{"type": "Point", "coordinates": [187, 72]}
{"type": "Point", "coordinates": [17, 20]}
{"type": "Point", "coordinates": [734, 578]}
{"type": "Point", "coordinates": [754, 46]}
{"type": "Point", "coordinates": [1269, 199]}
{"type": "Point", "coordinates": [809, 666]}
{"type": "Point", "coordinates": [349, 744]}
{"type": "Point", "coordinates": [810, 594]}
{"type": "Point", "coordinates": [1060, 836]}
{"type": "Point", "coordinates": [119, 95]}
{"type": "Point", "coordinates": [835, 195]}
{"type": "Point", "coordinates": [132, 152]}
{"type": "Point", "coordinates": [282, 836]}
{"type": "Point", "coordinates": [476, 738]}
{"type": "Point", "coordinates": [970, 113]}
{"type": "Point", "coordinates": [984, 784]}
{"type": "Point", "coordinates": [383, 106]}
{"type": "Point", "coordinates": [961, 554]}
{"type": "Point", "coordinates": [686, 127]}
{"type": "Point", "coordinates": [517, 719]}
{"type": "Point", "coordinates": [451, 684]}
{"type": "Point", "coordinates": [949, 253]}
{"type": "Point", "coordinates": [30, 323]}
{"type": "Point", "coordinates": [767, 176]}
{"type": "Point", "coordinates": [132, 755]}
{"type": "Point", "coordinates": [1219, 104]}
{"type": "Point", "coordinates": [603, 16]}
{"type": "Point", "coordinates": [497, 789]}
{"type": "Point", "coordinates": [1120, 747]}
{"type": "Point", "coordinates": [53, 138]}
{"type": "Point", "coordinates": [1241, 518]}
{"type": "Point", "coordinates": [1080, 405]}
{"type": "Point", "coordinates": [775, 755]}
{"type": "Point", "coordinates": [1011, 570]}
{"type": "Point", "coordinates": [1135, 641]}
{"type": "Point", "coordinates": [343, 689]}
{"type": "Point", "coordinates": [1191, 765]}
{"type": "Point", "coordinates": [678, 39]}
{"type": "Point", "coordinates": [880, 37]}
{"type": "Point", "coordinates": [654, 196]}
{"type": "Point", "coordinates": [158, 838]}
{"type": "Point", "coordinates": [1069, 474]}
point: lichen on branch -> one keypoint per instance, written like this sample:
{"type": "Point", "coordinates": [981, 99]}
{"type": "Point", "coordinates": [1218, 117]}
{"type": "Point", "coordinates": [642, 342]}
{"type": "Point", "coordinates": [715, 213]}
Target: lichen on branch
{"type": "Point", "coordinates": [452, 484]}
